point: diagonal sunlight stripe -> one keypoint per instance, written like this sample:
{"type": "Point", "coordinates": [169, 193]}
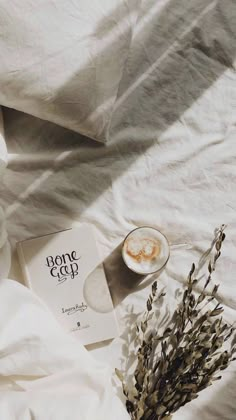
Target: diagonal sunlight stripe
{"type": "Point", "coordinates": [169, 50]}
{"type": "Point", "coordinates": [35, 184]}
{"type": "Point", "coordinates": [148, 16]}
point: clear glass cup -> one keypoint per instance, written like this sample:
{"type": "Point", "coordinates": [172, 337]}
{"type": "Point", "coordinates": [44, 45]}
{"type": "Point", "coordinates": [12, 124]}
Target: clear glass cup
{"type": "Point", "coordinates": [145, 250]}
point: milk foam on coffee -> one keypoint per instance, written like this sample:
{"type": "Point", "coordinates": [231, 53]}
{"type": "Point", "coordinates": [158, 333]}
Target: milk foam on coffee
{"type": "Point", "coordinates": [145, 250]}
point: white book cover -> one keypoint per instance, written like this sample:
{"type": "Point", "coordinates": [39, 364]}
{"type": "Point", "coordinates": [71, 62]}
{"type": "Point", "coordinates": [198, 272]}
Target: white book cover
{"type": "Point", "coordinates": [64, 269]}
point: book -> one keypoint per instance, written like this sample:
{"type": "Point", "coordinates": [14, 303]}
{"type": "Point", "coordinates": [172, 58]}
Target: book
{"type": "Point", "coordinates": [65, 270]}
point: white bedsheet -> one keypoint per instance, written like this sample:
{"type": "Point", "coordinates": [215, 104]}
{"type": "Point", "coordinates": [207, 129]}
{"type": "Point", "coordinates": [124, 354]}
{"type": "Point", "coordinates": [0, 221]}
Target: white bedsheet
{"type": "Point", "coordinates": [170, 163]}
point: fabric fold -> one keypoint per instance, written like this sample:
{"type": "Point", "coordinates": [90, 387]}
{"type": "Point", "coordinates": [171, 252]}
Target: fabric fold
{"type": "Point", "coordinates": [48, 373]}
{"type": "Point", "coordinates": [5, 253]}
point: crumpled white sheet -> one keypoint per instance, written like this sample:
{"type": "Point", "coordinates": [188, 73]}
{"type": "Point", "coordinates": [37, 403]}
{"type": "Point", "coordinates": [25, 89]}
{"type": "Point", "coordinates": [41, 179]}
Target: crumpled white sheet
{"type": "Point", "coordinates": [45, 373]}
{"type": "Point", "coordinates": [171, 163]}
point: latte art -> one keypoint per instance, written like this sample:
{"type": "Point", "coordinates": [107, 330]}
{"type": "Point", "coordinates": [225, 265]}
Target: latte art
{"type": "Point", "coordinates": [145, 250]}
{"type": "Point", "coordinates": [142, 249]}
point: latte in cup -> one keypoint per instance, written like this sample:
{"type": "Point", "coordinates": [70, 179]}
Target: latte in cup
{"type": "Point", "coordinates": [145, 250]}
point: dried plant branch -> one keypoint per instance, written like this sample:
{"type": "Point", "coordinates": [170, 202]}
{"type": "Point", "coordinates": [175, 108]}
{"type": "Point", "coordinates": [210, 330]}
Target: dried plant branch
{"type": "Point", "coordinates": [172, 368]}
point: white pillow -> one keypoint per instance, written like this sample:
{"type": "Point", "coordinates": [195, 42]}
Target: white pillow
{"type": "Point", "coordinates": [63, 60]}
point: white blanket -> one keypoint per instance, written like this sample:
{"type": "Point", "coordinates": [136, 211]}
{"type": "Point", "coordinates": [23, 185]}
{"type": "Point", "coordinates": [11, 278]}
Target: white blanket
{"type": "Point", "coordinates": [45, 373]}
{"type": "Point", "coordinates": [171, 163]}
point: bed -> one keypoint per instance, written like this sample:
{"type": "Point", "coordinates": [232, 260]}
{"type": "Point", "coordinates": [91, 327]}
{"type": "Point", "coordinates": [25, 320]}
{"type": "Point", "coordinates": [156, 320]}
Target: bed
{"type": "Point", "coordinates": [169, 162]}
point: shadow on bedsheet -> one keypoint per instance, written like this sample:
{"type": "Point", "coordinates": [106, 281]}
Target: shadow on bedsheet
{"type": "Point", "coordinates": [187, 46]}
{"type": "Point", "coordinates": [177, 52]}
{"type": "Point", "coordinates": [222, 405]}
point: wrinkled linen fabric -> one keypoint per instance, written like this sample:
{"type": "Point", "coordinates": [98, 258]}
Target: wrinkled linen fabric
{"type": "Point", "coordinates": [5, 252]}
{"type": "Point", "coordinates": [63, 61]}
{"type": "Point", "coordinates": [170, 163]}
{"type": "Point", "coordinates": [3, 148]}
{"type": "Point", "coordinates": [46, 374]}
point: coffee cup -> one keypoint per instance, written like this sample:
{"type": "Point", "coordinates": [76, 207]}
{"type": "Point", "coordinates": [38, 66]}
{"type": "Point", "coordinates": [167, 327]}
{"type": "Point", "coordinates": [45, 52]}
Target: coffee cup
{"type": "Point", "coordinates": [145, 250]}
